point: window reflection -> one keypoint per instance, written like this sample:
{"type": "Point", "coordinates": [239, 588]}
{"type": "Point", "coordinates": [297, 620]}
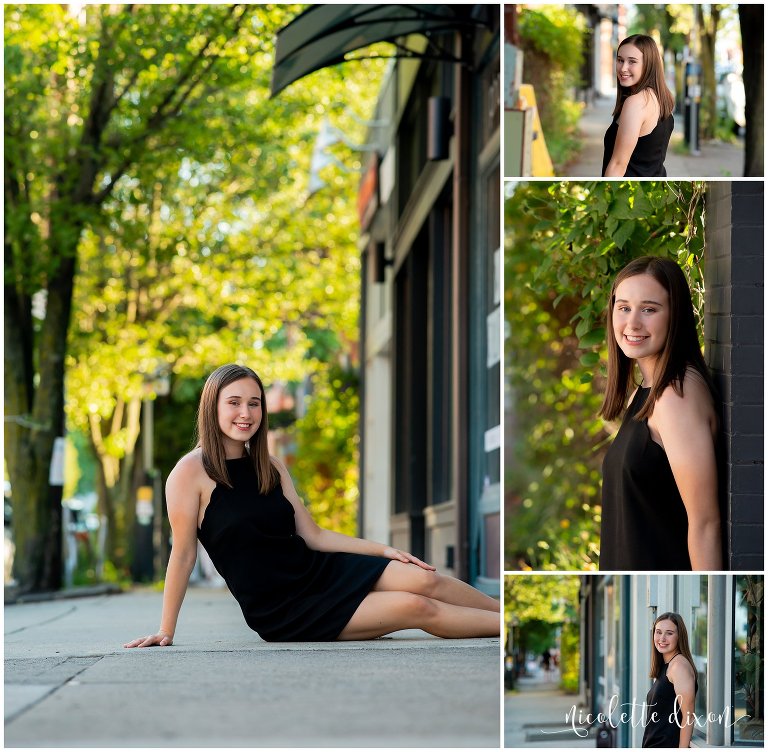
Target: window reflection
{"type": "Point", "coordinates": [699, 650]}
{"type": "Point", "coordinates": [748, 701]}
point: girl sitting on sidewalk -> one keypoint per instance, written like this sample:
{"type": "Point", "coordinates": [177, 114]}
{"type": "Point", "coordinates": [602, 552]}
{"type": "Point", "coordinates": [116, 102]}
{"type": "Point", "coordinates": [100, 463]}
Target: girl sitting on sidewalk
{"type": "Point", "coordinates": [293, 580]}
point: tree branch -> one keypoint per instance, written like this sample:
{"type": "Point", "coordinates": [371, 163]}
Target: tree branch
{"type": "Point", "coordinates": [168, 108]}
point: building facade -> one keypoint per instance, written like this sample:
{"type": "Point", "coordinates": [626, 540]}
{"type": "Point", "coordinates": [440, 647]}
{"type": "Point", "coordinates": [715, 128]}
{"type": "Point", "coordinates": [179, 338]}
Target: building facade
{"type": "Point", "coordinates": [724, 615]}
{"type": "Point", "coordinates": [430, 208]}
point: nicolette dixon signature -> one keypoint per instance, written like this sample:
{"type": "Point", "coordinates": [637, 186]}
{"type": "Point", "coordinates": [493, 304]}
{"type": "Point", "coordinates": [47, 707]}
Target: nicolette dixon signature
{"type": "Point", "coordinates": [633, 713]}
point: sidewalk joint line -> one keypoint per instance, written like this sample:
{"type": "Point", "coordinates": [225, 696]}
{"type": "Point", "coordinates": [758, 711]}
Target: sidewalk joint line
{"type": "Point", "coordinates": [40, 623]}
{"type": "Point", "coordinates": [11, 718]}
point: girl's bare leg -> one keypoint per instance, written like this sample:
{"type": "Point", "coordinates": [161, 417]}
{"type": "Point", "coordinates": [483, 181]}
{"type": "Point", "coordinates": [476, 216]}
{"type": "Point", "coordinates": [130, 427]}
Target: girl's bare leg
{"type": "Point", "coordinates": [410, 578]}
{"type": "Point", "coordinates": [383, 612]}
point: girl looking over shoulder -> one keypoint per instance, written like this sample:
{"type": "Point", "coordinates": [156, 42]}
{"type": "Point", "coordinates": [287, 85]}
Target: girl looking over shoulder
{"type": "Point", "coordinates": [635, 144]}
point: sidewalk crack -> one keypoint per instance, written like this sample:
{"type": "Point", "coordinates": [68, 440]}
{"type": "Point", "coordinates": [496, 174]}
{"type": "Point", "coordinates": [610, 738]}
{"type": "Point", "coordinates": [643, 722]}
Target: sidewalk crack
{"type": "Point", "coordinates": [9, 719]}
{"type": "Point", "coordinates": [40, 623]}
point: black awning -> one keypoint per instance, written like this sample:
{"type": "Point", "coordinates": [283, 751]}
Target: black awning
{"type": "Point", "coordinates": [324, 34]}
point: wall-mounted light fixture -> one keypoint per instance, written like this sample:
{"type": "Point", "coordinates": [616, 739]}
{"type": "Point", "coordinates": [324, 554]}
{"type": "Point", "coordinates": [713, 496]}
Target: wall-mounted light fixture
{"type": "Point", "coordinates": [379, 261]}
{"type": "Point", "coordinates": [439, 128]}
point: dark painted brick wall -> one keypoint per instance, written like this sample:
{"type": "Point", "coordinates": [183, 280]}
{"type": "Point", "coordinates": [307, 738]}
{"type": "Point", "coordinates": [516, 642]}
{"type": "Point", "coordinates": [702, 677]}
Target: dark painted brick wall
{"type": "Point", "coordinates": [733, 326]}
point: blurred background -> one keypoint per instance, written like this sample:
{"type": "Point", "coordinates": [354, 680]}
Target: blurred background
{"type": "Point", "coordinates": [577, 646]}
{"type": "Point", "coordinates": [560, 85]}
{"type": "Point", "coordinates": [182, 193]}
{"type": "Point", "coordinates": [564, 244]}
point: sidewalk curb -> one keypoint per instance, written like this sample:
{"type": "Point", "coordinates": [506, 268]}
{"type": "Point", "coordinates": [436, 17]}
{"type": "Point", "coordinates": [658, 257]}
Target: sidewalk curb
{"type": "Point", "coordinates": [13, 596]}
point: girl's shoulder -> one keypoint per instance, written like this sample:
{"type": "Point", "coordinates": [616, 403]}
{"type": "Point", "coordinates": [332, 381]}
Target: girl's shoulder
{"type": "Point", "coordinates": [189, 467]}
{"type": "Point", "coordinates": [679, 667]}
{"type": "Point", "coordinates": [692, 397]}
{"type": "Point", "coordinates": [643, 104]}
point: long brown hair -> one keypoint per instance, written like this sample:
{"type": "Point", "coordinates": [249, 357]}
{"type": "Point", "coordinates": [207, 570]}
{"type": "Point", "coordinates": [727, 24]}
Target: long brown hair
{"type": "Point", "coordinates": [681, 348]}
{"type": "Point", "coordinates": [652, 77]}
{"type": "Point", "coordinates": [209, 434]}
{"type": "Point", "coordinates": [657, 660]}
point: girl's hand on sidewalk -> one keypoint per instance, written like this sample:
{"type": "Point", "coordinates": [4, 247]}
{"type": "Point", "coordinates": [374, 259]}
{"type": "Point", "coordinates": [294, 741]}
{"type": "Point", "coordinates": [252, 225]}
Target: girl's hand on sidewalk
{"type": "Point", "coordinates": [161, 638]}
{"type": "Point", "coordinates": [398, 555]}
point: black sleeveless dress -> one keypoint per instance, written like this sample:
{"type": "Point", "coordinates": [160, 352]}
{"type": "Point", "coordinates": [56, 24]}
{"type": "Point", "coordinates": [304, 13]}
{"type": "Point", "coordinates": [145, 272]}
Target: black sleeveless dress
{"type": "Point", "coordinates": [644, 523]}
{"type": "Point", "coordinates": [660, 701]}
{"type": "Point", "coordinates": [286, 590]}
{"type": "Point", "coordinates": [647, 160]}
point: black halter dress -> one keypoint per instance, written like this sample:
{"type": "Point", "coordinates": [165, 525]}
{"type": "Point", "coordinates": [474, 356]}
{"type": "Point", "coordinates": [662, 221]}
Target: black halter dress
{"type": "Point", "coordinates": [660, 731]}
{"type": "Point", "coordinates": [647, 160]}
{"type": "Point", "coordinates": [644, 523]}
{"type": "Point", "coordinates": [286, 590]}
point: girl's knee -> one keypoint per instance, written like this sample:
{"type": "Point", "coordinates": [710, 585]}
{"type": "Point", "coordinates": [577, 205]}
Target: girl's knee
{"type": "Point", "coordinates": [423, 581]}
{"type": "Point", "coordinates": [419, 606]}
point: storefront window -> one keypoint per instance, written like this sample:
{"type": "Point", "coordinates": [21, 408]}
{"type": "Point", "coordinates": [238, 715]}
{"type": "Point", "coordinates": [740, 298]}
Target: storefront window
{"type": "Point", "coordinates": [748, 678]}
{"type": "Point", "coordinates": [698, 638]}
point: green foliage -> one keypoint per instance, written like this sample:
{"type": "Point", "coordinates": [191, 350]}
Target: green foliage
{"type": "Point", "coordinates": [326, 463]}
{"type": "Point", "coordinates": [554, 30]}
{"type": "Point", "coordinates": [538, 597]}
{"type": "Point", "coordinates": [570, 657]}
{"type": "Point", "coordinates": [542, 610]}
{"type": "Point", "coordinates": [564, 244]}
{"type": "Point", "coordinates": [143, 141]}
{"type": "Point", "coordinates": [552, 37]}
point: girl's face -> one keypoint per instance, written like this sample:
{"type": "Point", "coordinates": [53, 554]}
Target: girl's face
{"type": "Point", "coordinates": [629, 65]}
{"type": "Point", "coordinates": [665, 638]}
{"type": "Point", "coordinates": [641, 317]}
{"type": "Point", "coordinates": [239, 413]}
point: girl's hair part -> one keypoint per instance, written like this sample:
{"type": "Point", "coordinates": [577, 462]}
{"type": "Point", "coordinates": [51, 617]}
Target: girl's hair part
{"type": "Point", "coordinates": [651, 78]}
{"type": "Point", "coordinates": [209, 437]}
{"type": "Point", "coordinates": [680, 351]}
{"type": "Point", "coordinates": [657, 661]}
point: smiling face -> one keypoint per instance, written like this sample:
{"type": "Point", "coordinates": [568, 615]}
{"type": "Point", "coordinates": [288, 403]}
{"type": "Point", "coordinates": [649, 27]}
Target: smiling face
{"type": "Point", "coordinates": [629, 65]}
{"type": "Point", "coordinates": [239, 411]}
{"type": "Point", "coordinates": [641, 319]}
{"type": "Point", "coordinates": [665, 638]}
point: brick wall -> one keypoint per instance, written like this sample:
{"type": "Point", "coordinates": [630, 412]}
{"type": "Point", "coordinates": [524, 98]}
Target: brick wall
{"type": "Point", "coordinates": [733, 327]}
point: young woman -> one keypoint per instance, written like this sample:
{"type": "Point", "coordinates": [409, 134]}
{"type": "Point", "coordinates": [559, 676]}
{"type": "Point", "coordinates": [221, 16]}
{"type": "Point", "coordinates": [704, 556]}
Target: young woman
{"type": "Point", "coordinates": [670, 702]}
{"type": "Point", "coordinates": [637, 139]}
{"type": "Point", "coordinates": [660, 507]}
{"type": "Point", "coordinates": [292, 579]}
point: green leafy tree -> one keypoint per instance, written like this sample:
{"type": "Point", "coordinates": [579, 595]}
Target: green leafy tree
{"type": "Point", "coordinates": [552, 38]}
{"type": "Point", "coordinates": [326, 463]}
{"type": "Point", "coordinates": [564, 244]}
{"type": "Point", "coordinates": [540, 609]}
{"type": "Point", "coordinates": [143, 151]}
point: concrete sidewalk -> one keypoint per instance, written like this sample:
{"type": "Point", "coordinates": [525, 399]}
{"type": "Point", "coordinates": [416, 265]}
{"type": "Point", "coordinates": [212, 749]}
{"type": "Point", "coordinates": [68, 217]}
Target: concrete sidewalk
{"type": "Point", "coordinates": [69, 682]}
{"type": "Point", "coordinates": [535, 715]}
{"type": "Point", "coordinates": [717, 158]}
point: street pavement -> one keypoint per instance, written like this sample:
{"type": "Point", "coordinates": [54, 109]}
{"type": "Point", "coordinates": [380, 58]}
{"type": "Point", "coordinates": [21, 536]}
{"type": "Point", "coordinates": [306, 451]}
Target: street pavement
{"type": "Point", "coordinates": [535, 715]}
{"type": "Point", "coordinates": [717, 159]}
{"type": "Point", "coordinates": [70, 683]}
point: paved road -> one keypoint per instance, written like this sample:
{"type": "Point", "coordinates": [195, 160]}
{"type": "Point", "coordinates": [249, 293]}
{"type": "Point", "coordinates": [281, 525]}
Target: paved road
{"type": "Point", "coordinates": [69, 682]}
{"type": "Point", "coordinates": [717, 159]}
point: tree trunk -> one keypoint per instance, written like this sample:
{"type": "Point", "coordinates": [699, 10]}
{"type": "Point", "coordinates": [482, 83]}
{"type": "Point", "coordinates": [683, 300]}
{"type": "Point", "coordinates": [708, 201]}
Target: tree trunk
{"type": "Point", "coordinates": [38, 418]}
{"type": "Point", "coordinates": [708, 31]}
{"type": "Point", "coordinates": [751, 22]}
{"type": "Point", "coordinates": [117, 482]}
